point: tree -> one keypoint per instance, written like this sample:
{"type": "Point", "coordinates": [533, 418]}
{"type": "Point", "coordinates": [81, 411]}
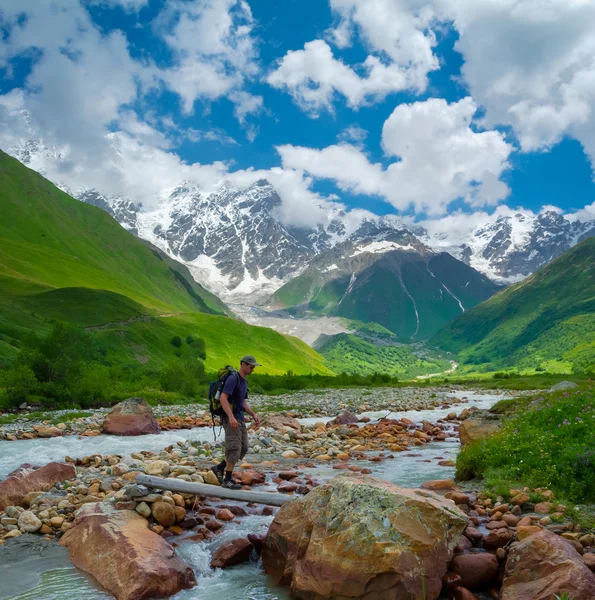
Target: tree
{"type": "Point", "coordinates": [176, 341]}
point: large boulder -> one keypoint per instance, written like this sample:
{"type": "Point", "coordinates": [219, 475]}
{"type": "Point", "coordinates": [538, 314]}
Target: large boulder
{"type": "Point", "coordinates": [563, 385]}
{"type": "Point", "coordinates": [131, 417]}
{"type": "Point", "coordinates": [361, 537]}
{"type": "Point", "coordinates": [232, 553]}
{"type": "Point", "coordinates": [276, 421]}
{"type": "Point", "coordinates": [345, 418]}
{"type": "Point", "coordinates": [28, 479]}
{"type": "Point", "coordinates": [479, 426]}
{"type": "Point", "coordinates": [544, 565]}
{"type": "Point", "coordinates": [117, 548]}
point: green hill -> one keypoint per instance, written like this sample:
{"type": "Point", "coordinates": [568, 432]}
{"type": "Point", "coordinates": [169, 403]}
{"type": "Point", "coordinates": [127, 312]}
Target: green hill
{"type": "Point", "coordinates": [410, 293]}
{"type": "Point", "coordinates": [63, 260]}
{"type": "Point", "coordinates": [372, 348]}
{"type": "Point", "coordinates": [546, 322]}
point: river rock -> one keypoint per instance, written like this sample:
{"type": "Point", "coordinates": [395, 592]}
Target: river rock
{"type": "Point", "coordinates": [277, 421]}
{"type": "Point", "coordinates": [361, 537]}
{"type": "Point", "coordinates": [163, 513]}
{"type": "Point", "coordinates": [159, 468]}
{"type": "Point", "coordinates": [544, 565]}
{"type": "Point", "coordinates": [32, 479]}
{"type": "Point", "coordinates": [476, 568]}
{"type": "Point", "coordinates": [47, 432]}
{"type": "Point", "coordinates": [232, 553]}
{"type": "Point", "coordinates": [123, 555]}
{"type": "Point", "coordinates": [29, 523]}
{"type": "Point", "coordinates": [479, 426]}
{"type": "Point", "coordinates": [345, 418]}
{"type": "Point", "coordinates": [131, 417]}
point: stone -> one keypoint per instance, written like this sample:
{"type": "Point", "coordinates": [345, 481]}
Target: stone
{"type": "Point", "coordinates": [232, 553]}
{"type": "Point", "coordinates": [497, 538]}
{"type": "Point", "coordinates": [476, 569]}
{"type": "Point", "coordinates": [289, 454]}
{"type": "Point", "coordinates": [224, 514]}
{"type": "Point", "coordinates": [277, 421]}
{"type": "Point", "coordinates": [524, 531]}
{"type": "Point", "coordinates": [57, 522]}
{"type": "Point", "coordinates": [213, 525]}
{"type": "Point", "coordinates": [520, 499]}
{"type": "Point", "coordinates": [26, 478]}
{"type": "Point", "coordinates": [131, 417]}
{"type": "Point", "coordinates": [345, 418]}
{"type": "Point", "coordinates": [462, 593]}
{"type": "Point", "coordinates": [589, 560]}
{"type": "Point", "coordinates": [120, 551]}
{"type": "Point", "coordinates": [47, 432]}
{"type": "Point", "coordinates": [30, 497]}
{"type": "Point", "coordinates": [29, 523]}
{"type": "Point", "coordinates": [439, 484]}
{"type": "Point", "coordinates": [163, 513]}
{"type": "Point", "coordinates": [252, 477]}
{"type": "Point", "coordinates": [316, 542]}
{"type": "Point", "coordinates": [12, 534]}
{"type": "Point", "coordinates": [544, 565]}
{"type": "Point", "coordinates": [479, 426]}
{"type": "Point", "coordinates": [120, 469]}
{"type": "Point", "coordinates": [180, 513]}
{"type": "Point", "coordinates": [211, 478]}
{"type": "Point", "coordinates": [564, 385]}
{"type": "Point", "coordinates": [257, 540]}
{"type": "Point", "coordinates": [143, 509]}
{"type": "Point", "coordinates": [158, 468]}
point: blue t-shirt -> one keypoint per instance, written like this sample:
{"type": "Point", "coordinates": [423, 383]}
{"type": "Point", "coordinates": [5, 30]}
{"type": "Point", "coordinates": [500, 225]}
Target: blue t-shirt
{"type": "Point", "coordinates": [236, 387]}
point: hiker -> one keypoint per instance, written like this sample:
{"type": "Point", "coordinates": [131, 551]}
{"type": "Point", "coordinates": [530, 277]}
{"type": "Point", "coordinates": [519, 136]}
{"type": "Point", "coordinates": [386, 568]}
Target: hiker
{"type": "Point", "coordinates": [233, 402]}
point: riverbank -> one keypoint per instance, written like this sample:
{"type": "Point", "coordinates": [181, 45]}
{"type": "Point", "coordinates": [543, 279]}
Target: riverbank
{"type": "Point", "coordinates": [425, 435]}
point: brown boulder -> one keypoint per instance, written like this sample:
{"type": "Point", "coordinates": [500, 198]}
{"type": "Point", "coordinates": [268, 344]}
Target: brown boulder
{"type": "Point", "coordinates": [163, 513]}
{"type": "Point", "coordinates": [497, 538]}
{"type": "Point", "coordinates": [131, 417]}
{"type": "Point", "coordinates": [123, 555]}
{"type": "Point", "coordinates": [252, 477]}
{"type": "Point", "coordinates": [233, 553]}
{"type": "Point", "coordinates": [479, 426]}
{"type": "Point", "coordinates": [47, 432]}
{"type": "Point", "coordinates": [462, 593]}
{"type": "Point", "coordinates": [476, 568]}
{"type": "Point", "coordinates": [544, 565]}
{"type": "Point", "coordinates": [345, 418]}
{"type": "Point", "coordinates": [276, 421]}
{"type": "Point", "coordinates": [361, 537]}
{"type": "Point", "coordinates": [26, 479]}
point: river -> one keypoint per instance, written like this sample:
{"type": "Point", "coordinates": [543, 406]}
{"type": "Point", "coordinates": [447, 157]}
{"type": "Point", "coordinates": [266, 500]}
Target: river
{"type": "Point", "coordinates": [46, 573]}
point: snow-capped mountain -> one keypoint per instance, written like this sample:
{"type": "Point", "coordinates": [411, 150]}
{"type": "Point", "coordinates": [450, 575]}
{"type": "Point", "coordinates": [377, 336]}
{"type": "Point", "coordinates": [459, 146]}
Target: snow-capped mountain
{"type": "Point", "coordinates": [235, 244]}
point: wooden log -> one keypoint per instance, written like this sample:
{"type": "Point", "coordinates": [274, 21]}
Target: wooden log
{"type": "Point", "coordinates": [204, 489]}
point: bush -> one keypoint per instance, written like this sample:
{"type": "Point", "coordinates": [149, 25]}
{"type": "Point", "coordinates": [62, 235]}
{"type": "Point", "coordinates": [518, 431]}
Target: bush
{"type": "Point", "coordinates": [20, 384]}
{"type": "Point", "coordinates": [551, 445]}
{"type": "Point", "coordinates": [176, 341]}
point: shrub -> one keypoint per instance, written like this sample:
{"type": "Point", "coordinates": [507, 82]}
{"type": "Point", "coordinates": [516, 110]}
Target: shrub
{"type": "Point", "coordinates": [176, 341]}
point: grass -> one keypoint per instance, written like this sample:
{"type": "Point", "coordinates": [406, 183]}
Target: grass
{"type": "Point", "coordinates": [44, 416]}
{"type": "Point", "coordinates": [547, 441]}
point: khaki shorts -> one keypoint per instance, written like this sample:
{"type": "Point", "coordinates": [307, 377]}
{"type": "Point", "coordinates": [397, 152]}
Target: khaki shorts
{"type": "Point", "coordinates": [236, 441]}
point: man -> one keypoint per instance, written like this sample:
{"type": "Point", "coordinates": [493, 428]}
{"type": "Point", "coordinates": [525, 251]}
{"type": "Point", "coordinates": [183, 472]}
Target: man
{"type": "Point", "coordinates": [234, 404]}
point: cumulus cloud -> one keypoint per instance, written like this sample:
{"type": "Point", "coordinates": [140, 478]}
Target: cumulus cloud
{"type": "Point", "coordinates": [127, 5]}
{"type": "Point", "coordinates": [439, 158]}
{"type": "Point", "coordinates": [314, 77]}
{"type": "Point", "coordinates": [354, 134]}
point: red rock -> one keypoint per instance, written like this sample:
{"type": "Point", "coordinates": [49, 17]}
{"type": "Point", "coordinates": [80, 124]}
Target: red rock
{"type": "Point", "coordinates": [257, 540]}
{"type": "Point", "coordinates": [462, 593]}
{"type": "Point", "coordinates": [476, 568]}
{"type": "Point", "coordinates": [589, 560]}
{"type": "Point", "coordinates": [473, 534]}
{"type": "Point", "coordinates": [47, 432]}
{"type": "Point", "coordinates": [213, 525]}
{"type": "Point", "coordinates": [463, 545]}
{"type": "Point", "coordinates": [317, 543]}
{"type": "Point", "coordinates": [277, 421]}
{"type": "Point", "coordinates": [224, 514]}
{"type": "Point", "coordinates": [286, 487]}
{"type": "Point", "coordinates": [123, 555]}
{"type": "Point", "coordinates": [288, 475]}
{"type": "Point", "coordinates": [131, 417]}
{"type": "Point", "coordinates": [544, 565]}
{"type": "Point", "coordinates": [450, 581]}
{"type": "Point", "coordinates": [267, 511]}
{"type": "Point", "coordinates": [497, 539]}
{"type": "Point", "coordinates": [163, 513]}
{"type": "Point", "coordinates": [232, 553]}
{"type": "Point", "coordinates": [439, 484]}
{"type": "Point", "coordinates": [32, 479]}
{"type": "Point", "coordinates": [251, 477]}
{"type": "Point", "coordinates": [345, 418]}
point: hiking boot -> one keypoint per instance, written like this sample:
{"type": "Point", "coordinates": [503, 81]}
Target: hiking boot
{"type": "Point", "coordinates": [218, 474]}
{"type": "Point", "coordinates": [230, 484]}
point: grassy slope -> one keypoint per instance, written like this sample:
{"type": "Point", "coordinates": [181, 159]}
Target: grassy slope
{"type": "Point", "coordinates": [546, 321]}
{"type": "Point", "coordinates": [61, 259]}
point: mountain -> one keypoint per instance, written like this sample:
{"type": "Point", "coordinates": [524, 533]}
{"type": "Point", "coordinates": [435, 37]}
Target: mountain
{"type": "Point", "coordinates": [398, 283]}
{"type": "Point", "coordinates": [234, 242]}
{"type": "Point", "coordinates": [61, 259]}
{"type": "Point", "coordinates": [546, 322]}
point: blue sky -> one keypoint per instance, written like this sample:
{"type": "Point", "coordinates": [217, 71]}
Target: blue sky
{"type": "Point", "coordinates": [431, 107]}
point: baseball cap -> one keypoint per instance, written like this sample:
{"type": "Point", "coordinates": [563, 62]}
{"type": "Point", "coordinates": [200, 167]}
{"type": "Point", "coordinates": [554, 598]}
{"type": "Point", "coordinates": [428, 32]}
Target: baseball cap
{"type": "Point", "coordinates": [250, 360]}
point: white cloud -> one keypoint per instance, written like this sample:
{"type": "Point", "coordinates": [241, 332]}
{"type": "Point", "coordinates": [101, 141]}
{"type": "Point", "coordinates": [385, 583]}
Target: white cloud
{"type": "Point", "coordinates": [440, 158]}
{"type": "Point", "coordinates": [214, 50]}
{"type": "Point", "coordinates": [354, 134]}
{"type": "Point", "coordinates": [313, 76]}
{"type": "Point", "coordinates": [127, 5]}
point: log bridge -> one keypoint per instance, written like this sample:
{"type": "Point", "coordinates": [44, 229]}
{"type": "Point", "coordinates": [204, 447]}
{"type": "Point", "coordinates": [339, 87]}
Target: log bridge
{"type": "Point", "coordinates": [205, 489]}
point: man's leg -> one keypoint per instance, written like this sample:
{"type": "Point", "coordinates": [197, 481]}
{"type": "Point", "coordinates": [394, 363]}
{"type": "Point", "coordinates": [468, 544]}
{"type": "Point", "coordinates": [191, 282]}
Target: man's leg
{"type": "Point", "coordinates": [233, 448]}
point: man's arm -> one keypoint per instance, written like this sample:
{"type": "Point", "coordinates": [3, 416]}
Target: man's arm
{"type": "Point", "coordinates": [224, 399]}
{"type": "Point", "coordinates": [249, 410]}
